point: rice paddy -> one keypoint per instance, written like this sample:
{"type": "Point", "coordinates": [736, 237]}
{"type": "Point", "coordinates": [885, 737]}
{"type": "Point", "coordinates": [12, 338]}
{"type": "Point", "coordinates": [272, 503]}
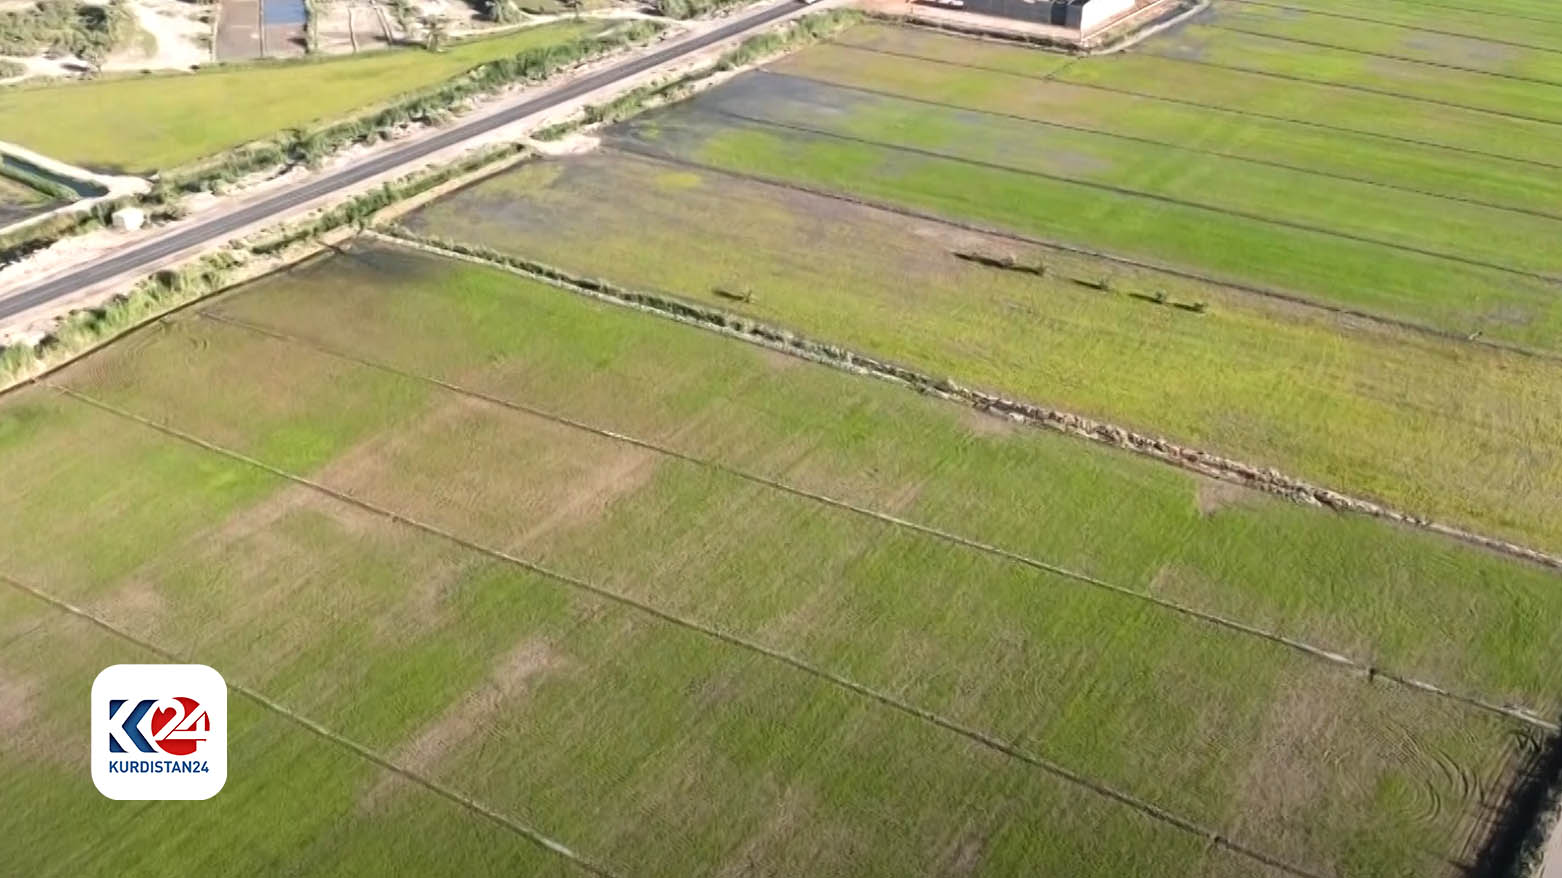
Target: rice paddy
{"type": "Point", "coordinates": [508, 579]}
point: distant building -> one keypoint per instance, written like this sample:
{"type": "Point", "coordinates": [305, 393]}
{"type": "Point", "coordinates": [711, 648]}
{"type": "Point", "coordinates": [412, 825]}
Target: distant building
{"type": "Point", "coordinates": [1080, 15]}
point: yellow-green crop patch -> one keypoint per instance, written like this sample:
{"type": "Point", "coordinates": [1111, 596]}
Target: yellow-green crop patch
{"type": "Point", "coordinates": [147, 123]}
{"type": "Point", "coordinates": [778, 682]}
{"type": "Point", "coordinates": [1334, 398]}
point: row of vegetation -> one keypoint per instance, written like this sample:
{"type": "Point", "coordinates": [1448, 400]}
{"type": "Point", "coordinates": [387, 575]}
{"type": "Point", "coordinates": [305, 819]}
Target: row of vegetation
{"type": "Point", "coordinates": [11, 69]}
{"type": "Point", "coordinates": [84, 330]}
{"type": "Point", "coordinates": [309, 146]}
{"type": "Point", "coordinates": [693, 8]}
{"type": "Point", "coordinates": [68, 27]}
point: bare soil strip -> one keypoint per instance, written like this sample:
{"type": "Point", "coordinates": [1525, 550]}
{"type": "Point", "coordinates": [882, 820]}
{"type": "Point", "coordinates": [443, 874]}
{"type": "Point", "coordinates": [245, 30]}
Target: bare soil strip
{"type": "Point", "coordinates": [1162, 144]}
{"type": "Point", "coordinates": [450, 794]}
{"type": "Point", "coordinates": [975, 735]}
{"type": "Point", "coordinates": [1525, 715]}
{"type": "Point", "coordinates": [1364, 89]}
{"type": "Point", "coordinates": [1429, 30]}
{"type": "Point", "coordinates": [1193, 459]}
{"type": "Point", "coordinates": [1292, 120]}
{"type": "Point", "coordinates": [1061, 247]}
{"type": "Point", "coordinates": [1441, 65]}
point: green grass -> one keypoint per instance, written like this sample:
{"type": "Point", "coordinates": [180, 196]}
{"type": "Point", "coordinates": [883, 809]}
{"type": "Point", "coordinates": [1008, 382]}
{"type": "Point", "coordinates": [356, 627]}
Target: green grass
{"type": "Point", "coordinates": [1428, 168]}
{"type": "Point", "coordinates": [1541, 25]}
{"type": "Point", "coordinates": [1355, 243]}
{"type": "Point", "coordinates": [1481, 133]}
{"type": "Point", "coordinates": [1313, 63]}
{"type": "Point", "coordinates": [159, 122]}
{"type": "Point", "coordinates": [651, 747]}
{"type": "Point", "coordinates": [1331, 399]}
{"type": "Point", "coordinates": [1463, 51]}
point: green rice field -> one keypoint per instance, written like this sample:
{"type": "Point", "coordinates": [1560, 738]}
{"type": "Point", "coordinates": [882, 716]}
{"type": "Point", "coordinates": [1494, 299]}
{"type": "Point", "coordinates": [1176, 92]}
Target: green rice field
{"type": "Point", "coordinates": [614, 642]}
{"type": "Point", "coordinates": [142, 124]}
{"type": "Point", "coordinates": [506, 579]}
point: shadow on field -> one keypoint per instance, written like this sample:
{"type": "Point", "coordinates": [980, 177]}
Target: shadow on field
{"type": "Point", "coordinates": [1516, 834]}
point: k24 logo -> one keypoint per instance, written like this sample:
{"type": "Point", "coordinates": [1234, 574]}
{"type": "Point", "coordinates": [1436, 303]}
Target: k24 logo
{"type": "Point", "coordinates": [159, 732]}
{"type": "Point", "coordinates": [174, 726]}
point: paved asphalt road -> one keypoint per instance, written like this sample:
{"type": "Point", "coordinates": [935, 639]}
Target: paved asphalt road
{"type": "Point", "coordinates": [218, 228]}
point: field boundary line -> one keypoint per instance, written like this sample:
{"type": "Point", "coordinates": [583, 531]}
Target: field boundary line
{"type": "Point", "coordinates": [1555, 279]}
{"type": "Point", "coordinates": [1522, 714]}
{"type": "Point", "coordinates": [454, 796]}
{"type": "Point", "coordinates": [1165, 144]}
{"type": "Point", "coordinates": [1347, 86]}
{"type": "Point", "coordinates": [887, 699]}
{"type": "Point", "coordinates": [1442, 65]}
{"type": "Point", "coordinates": [1253, 114]}
{"type": "Point", "coordinates": [1457, 8]}
{"type": "Point", "coordinates": [1227, 469]}
{"type": "Point", "coordinates": [1447, 33]}
{"type": "Point", "coordinates": [1118, 259]}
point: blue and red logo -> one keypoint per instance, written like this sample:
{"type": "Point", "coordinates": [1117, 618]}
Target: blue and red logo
{"type": "Point", "coordinates": [170, 726]}
{"type": "Point", "coordinates": [165, 746]}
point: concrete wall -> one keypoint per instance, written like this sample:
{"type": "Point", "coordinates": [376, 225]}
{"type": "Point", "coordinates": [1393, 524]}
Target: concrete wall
{"type": "Point", "coordinates": [1081, 15]}
{"type": "Point", "coordinates": [1091, 14]}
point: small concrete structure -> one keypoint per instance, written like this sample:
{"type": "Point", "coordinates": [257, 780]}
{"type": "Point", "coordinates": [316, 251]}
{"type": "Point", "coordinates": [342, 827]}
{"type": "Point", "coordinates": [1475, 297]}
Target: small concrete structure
{"type": "Point", "coordinates": [128, 219]}
{"type": "Point", "coordinates": [1083, 16]}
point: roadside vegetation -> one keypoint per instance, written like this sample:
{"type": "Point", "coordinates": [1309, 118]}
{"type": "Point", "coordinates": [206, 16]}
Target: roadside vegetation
{"type": "Point", "coordinates": [88, 31]}
{"type": "Point", "coordinates": [142, 124]}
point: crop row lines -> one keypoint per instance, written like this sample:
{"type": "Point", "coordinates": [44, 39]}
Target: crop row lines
{"type": "Point", "coordinates": [1350, 86]}
{"type": "Point", "coordinates": [1163, 144]}
{"type": "Point", "coordinates": [1195, 460]}
{"type": "Point", "coordinates": [1104, 256]}
{"type": "Point", "coordinates": [1466, 35]}
{"type": "Point", "coordinates": [1233, 625]}
{"type": "Point", "coordinates": [1485, 11]}
{"type": "Point", "coordinates": [1251, 114]}
{"type": "Point", "coordinates": [450, 794]}
{"type": "Point", "coordinates": [975, 735]}
{"type": "Point", "coordinates": [1441, 65]}
{"type": "Point", "coordinates": [1256, 218]}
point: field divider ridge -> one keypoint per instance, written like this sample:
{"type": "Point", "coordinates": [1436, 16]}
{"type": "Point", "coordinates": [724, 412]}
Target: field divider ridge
{"type": "Point", "coordinates": [893, 702]}
{"type": "Point", "coordinates": [1252, 114]}
{"type": "Point", "coordinates": [462, 800]}
{"type": "Point", "coordinates": [1266, 479]}
{"type": "Point", "coordinates": [1163, 144]}
{"type": "Point", "coordinates": [1525, 715]}
{"type": "Point", "coordinates": [1139, 193]}
{"type": "Point", "coordinates": [1485, 11]}
{"type": "Point", "coordinates": [1347, 86]}
{"type": "Point", "coordinates": [1441, 65]}
{"type": "Point", "coordinates": [1104, 256]}
{"type": "Point", "coordinates": [1467, 35]}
